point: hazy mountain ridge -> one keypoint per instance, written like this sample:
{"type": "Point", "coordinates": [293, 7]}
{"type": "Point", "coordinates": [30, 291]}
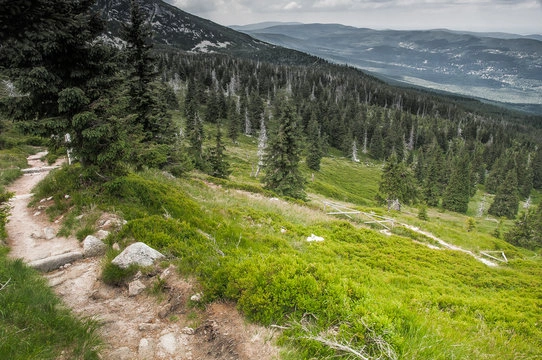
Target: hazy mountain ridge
{"type": "Point", "coordinates": [499, 69]}
{"type": "Point", "coordinates": [177, 28]}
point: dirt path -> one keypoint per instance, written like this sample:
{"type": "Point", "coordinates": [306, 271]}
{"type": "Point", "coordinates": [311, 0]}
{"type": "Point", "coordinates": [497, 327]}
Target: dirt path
{"type": "Point", "coordinates": [142, 326]}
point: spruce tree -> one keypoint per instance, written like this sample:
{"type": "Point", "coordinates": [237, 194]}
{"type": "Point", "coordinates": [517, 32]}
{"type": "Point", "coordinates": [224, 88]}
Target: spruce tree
{"type": "Point", "coordinates": [314, 151]}
{"type": "Point", "coordinates": [527, 230]}
{"type": "Point", "coordinates": [432, 184]}
{"type": "Point", "coordinates": [457, 194]}
{"type": "Point", "coordinates": [51, 53]}
{"type": "Point", "coordinates": [145, 94]}
{"type": "Point", "coordinates": [218, 164]}
{"type": "Point", "coordinates": [234, 125]}
{"type": "Point", "coordinates": [537, 169]}
{"type": "Point", "coordinates": [506, 200]}
{"type": "Point", "coordinates": [282, 157]}
{"type": "Point", "coordinates": [195, 136]}
{"type": "Point", "coordinates": [397, 181]}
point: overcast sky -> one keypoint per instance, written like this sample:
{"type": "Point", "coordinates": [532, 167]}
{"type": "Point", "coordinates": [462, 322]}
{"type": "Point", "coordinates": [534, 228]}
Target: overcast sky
{"type": "Point", "coordinates": [514, 16]}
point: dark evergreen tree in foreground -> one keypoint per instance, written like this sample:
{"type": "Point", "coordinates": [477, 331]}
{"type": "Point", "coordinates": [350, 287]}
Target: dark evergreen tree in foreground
{"type": "Point", "coordinates": [283, 152]}
{"type": "Point", "coordinates": [51, 53]}
{"type": "Point", "coordinates": [147, 97]}
{"type": "Point", "coordinates": [506, 200]}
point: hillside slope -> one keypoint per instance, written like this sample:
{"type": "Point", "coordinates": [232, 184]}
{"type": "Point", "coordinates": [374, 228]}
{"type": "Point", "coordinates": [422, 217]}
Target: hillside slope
{"type": "Point", "coordinates": [173, 27]}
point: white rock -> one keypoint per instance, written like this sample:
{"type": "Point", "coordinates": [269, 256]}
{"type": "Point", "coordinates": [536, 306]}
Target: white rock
{"type": "Point", "coordinates": [122, 353]}
{"type": "Point", "coordinates": [196, 297]}
{"type": "Point", "coordinates": [92, 246]}
{"type": "Point", "coordinates": [188, 331]}
{"type": "Point", "coordinates": [135, 288]}
{"type": "Point", "coordinates": [314, 238]}
{"type": "Point", "coordinates": [116, 247]}
{"type": "Point", "coordinates": [145, 349]}
{"type": "Point", "coordinates": [139, 254]}
{"type": "Point", "coordinates": [167, 272]}
{"type": "Point", "coordinates": [49, 233]}
{"type": "Point", "coordinates": [102, 234]}
{"type": "Point", "coordinates": [168, 343]}
{"type": "Point", "coordinates": [37, 213]}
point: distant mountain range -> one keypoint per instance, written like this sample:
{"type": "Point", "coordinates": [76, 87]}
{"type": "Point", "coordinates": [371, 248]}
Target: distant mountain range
{"type": "Point", "coordinates": [175, 28]}
{"type": "Point", "coordinates": [499, 67]}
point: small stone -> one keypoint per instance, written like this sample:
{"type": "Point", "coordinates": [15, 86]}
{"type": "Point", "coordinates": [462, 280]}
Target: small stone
{"type": "Point", "coordinates": [164, 311]}
{"type": "Point", "coordinates": [168, 343]}
{"type": "Point", "coordinates": [102, 234]}
{"type": "Point", "coordinates": [283, 231]}
{"type": "Point", "coordinates": [315, 238]}
{"type": "Point", "coordinates": [122, 353]}
{"type": "Point", "coordinates": [43, 200]}
{"type": "Point", "coordinates": [135, 288]}
{"type": "Point", "coordinates": [79, 217]}
{"type": "Point", "coordinates": [49, 233]}
{"type": "Point", "coordinates": [37, 213]}
{"type": "Point", "coordinates": [196, 297]}
{"type": "Point", "coordinates": [148, 327]}
{"type": "Point", "coordinates": [92, 246]}
{"type": "Point", "coordinates": [116, 247]}
{"type": "Point", "coordinates": [167, 272]}
{"type": "Point", "coordinates": [49, 198]}
{"type": "Point", "coordinates": [66, 197]}
{"type": "Point", "coordinates": [145, 349]}
{"type": "Point", "coordinates": [188, 331]}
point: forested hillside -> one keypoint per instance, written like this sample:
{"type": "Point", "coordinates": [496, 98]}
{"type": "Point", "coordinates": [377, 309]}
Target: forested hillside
{"type": "Point", "coordinates": [437, 138]}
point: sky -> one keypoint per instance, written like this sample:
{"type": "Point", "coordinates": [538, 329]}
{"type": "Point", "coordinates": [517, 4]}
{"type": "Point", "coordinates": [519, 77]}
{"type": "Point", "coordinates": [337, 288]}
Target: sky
{"type": "Point", "coordinates": [512, 16]}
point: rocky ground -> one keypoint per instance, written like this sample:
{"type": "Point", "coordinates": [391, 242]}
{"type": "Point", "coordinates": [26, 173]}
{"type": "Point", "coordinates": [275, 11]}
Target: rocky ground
{"type": "Point", "coordinates": [136, 323]}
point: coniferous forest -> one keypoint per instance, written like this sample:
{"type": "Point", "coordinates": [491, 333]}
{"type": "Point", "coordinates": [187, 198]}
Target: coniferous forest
{"type": "Point", "coordinates": [144, 106]}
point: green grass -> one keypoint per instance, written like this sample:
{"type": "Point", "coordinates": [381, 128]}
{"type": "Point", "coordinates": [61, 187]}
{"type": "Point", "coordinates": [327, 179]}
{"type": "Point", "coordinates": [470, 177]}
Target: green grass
{"type": "Point", "coordinates": [33, 322]}
{"type": "Point", "coordinates": [358, 286]}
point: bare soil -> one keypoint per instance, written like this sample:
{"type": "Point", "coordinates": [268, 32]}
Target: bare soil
{"type": "Point", "coordinates": [167, 325]}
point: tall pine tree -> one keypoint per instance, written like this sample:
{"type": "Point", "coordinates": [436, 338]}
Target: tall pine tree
{"type": "Point", "coordinates": [397, 182]}
{"type": "Point", "coordinates": [314, 151]}
{"type": "Point", "coordinates": [506, 200]}
{"type": "Point", "coordinates": [51, 53]}
{"type": "Point", "coordinates": [150, 110]}
{"type": "Point", "coordinates": [457, 194]}
{"type": "Point", "coordinates": [282, 157]}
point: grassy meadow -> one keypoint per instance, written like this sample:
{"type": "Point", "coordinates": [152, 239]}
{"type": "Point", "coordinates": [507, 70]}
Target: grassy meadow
{"type": "Point", "coordinates": [359, 292]}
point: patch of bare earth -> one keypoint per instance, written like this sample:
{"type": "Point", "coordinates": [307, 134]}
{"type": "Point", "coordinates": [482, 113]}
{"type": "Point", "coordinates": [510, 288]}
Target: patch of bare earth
{"type": "Point", "coordinates": [135, 324]}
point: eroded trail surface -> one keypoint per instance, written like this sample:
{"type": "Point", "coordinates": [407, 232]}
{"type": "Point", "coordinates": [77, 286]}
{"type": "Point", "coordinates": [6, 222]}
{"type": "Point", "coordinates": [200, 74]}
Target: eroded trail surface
{"type": "Point", "coordinates": [136, 325]}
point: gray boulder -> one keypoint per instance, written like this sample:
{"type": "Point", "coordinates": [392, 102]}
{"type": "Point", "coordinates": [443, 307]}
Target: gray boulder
{"type": "Point", "coordinates": [139, 254]}
{"type": "Point", "coordinates": [92, 246]}
{"type": "Point", "coordinates": [56, 261]}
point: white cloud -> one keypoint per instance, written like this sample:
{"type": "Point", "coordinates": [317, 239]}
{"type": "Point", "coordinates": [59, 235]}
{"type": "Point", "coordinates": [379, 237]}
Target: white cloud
{"type": "Point", "coordinates": [292, 6]}
{"type": "Point", "coordinates": [522, 16]}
